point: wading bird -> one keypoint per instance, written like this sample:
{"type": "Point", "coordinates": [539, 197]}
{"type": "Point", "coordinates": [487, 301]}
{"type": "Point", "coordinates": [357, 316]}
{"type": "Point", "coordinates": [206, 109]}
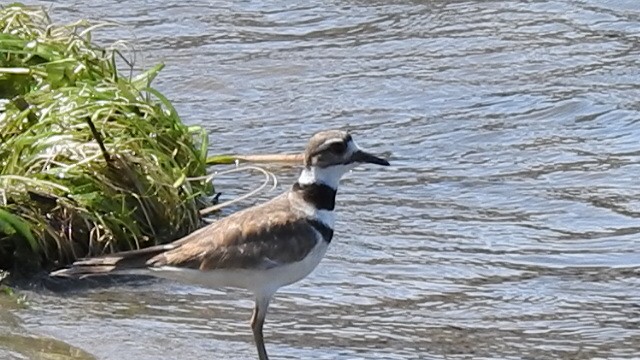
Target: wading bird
{"type": "Point", "coordinates": [261, 248]}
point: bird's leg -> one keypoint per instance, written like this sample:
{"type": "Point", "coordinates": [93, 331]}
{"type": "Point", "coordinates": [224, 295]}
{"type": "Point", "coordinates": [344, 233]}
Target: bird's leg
{"type": "Point", "coordinates": [257, 322]}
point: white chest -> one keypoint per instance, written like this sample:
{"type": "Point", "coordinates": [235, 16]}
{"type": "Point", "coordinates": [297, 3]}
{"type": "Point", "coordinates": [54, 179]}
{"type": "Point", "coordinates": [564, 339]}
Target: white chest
{"type": "Point", "coordinates": [259, 281]}
{"type": "Point", "coordinates": [290, 273]}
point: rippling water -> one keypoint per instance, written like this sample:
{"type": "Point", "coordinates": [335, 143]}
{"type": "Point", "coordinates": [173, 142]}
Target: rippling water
{"type": "Point", "coordinates": [507, 228]}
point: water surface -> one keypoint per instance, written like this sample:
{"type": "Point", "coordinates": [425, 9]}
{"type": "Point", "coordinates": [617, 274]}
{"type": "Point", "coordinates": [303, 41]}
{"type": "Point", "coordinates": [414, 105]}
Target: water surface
{"type": "Point", "coordinates": [507, 228]}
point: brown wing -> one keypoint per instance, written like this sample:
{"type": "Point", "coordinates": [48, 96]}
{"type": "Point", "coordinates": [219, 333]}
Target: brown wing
{"type": "Point", "coordinates": [258, 237]}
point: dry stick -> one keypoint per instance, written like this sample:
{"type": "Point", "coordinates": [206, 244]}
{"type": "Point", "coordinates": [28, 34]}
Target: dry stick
{"type": "Point", "coordinates": [272, 158]}
{"type": "Point", "coordinates": [264, 159]}
{"type": "Point", "coordinates": [23, 105]}
{"type": "Point", "coordinates": [98, 138]}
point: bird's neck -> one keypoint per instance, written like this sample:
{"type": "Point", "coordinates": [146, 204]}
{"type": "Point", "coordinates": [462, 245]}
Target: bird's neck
{"type": "Point", "coordinates": [329, 176]}
{"type": "Point", "coordinates": [318, 186]}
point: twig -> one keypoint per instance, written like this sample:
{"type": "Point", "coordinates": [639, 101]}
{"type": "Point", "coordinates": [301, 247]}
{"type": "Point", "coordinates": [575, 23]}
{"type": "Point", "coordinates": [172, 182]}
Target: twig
{"type": "Point", "coordinates": [271, 158]}
{"type": "Point", "coordinates": [98, 138]}
{"type": "Point", "coordinates": [23, 105]}
{"type": "Point", "coordinates": [266, 158]}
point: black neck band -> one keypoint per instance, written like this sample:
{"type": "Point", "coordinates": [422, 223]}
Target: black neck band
{"type": "Point", "coordinates": [324, 230]}
{"type": "Point", "coordinates": [322, 196]}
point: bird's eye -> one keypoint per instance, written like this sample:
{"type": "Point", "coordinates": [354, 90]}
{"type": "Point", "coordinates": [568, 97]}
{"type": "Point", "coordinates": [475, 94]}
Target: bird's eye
{"type": "Point", "coordinates": [338, 147]}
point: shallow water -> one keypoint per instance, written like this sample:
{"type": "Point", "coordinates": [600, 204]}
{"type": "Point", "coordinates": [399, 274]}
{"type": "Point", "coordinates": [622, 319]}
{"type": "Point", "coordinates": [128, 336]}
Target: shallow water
{"type": "Point", "coordinates": [507, 228]}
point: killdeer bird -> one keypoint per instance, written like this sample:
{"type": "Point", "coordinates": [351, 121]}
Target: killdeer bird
{"type": "Point", "coordinates": [261, 248]}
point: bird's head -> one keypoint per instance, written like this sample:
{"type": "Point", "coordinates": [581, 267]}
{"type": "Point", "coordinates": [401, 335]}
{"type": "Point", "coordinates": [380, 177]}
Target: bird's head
{"type": "Point", "coordinates": [330, 154]}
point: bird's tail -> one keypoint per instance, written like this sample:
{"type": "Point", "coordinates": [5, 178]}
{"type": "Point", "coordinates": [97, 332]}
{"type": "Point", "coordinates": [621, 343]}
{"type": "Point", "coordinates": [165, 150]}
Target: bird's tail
{"type": "Point", "coordinates": [123, 261]}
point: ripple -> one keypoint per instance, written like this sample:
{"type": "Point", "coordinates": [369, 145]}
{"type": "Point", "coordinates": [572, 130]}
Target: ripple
{"type": "Point", "coordinates": [506, 228]}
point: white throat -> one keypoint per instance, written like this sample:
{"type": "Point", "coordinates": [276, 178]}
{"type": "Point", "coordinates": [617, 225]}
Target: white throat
{"type": "Point", "coordinates": [329, 176]}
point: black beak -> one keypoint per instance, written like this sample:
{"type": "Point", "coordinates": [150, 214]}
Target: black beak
{"type": "Point", "coordinates": [365, 157]}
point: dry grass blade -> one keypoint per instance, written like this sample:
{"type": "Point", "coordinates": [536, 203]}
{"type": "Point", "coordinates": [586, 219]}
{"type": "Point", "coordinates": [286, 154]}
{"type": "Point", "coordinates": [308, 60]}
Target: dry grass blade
{"type": "Point", "coordinates": [269, 177]}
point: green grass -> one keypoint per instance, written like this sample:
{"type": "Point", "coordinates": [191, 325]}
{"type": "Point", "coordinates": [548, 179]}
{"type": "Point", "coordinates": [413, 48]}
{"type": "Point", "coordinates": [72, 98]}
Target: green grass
{"type": "Point", "coordinates": [90, 161]}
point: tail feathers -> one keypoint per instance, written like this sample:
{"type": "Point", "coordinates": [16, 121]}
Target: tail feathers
{"type": "Point", "coordinates": [102, 265]}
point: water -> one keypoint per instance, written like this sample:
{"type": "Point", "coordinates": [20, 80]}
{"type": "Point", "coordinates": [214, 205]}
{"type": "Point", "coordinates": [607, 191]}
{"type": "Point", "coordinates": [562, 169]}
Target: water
{"type": "Point", "coordinates": [507, 227]}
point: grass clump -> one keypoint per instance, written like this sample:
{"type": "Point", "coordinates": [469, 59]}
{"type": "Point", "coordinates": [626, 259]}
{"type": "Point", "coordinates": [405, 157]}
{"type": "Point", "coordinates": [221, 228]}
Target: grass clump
{"type": "Point", "coordinates": [90, 161]}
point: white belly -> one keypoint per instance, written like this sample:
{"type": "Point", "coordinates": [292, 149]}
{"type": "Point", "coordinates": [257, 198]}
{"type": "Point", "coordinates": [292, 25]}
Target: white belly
{"type": "Point", "coordinates": [258, 281]}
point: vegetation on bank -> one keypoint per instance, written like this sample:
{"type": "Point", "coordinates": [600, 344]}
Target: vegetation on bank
{"type": "Point", "coordinates": [91, 160]}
